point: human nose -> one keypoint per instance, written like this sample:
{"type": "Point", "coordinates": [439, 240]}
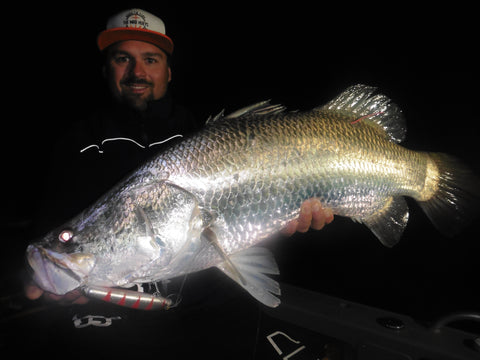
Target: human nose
{"type": "Point", "coordinates": [137, 68]}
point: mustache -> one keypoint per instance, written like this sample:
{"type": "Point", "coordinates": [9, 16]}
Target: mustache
{"type": "Point", "coordinates": [135, 81]}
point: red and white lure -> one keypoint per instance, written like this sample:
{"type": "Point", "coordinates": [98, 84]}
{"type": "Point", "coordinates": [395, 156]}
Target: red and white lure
{"type": "Point", "coordinates": [128, 298]}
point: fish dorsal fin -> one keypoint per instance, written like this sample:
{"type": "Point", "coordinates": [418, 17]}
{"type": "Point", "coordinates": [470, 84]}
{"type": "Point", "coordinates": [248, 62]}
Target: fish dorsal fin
{"type": "Point", "coordinates": [211, 119]}
{"type": "Point", "coordinates": [259, 109]}
{"type": "Point", "coordinates": [363, 104]}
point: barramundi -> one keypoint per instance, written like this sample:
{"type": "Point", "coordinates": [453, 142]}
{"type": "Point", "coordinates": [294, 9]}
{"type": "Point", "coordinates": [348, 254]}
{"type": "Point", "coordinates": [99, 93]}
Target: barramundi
{"type": "Point", "coordinates": [210, 199]}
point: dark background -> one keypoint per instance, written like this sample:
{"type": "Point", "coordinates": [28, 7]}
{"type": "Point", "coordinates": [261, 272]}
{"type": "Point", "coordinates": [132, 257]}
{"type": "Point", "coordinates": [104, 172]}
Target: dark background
{"type": "Point", "coordinates": [228, 55]}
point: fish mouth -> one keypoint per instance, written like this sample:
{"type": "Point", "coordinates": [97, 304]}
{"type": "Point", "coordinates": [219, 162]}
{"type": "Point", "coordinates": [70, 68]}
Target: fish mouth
{"type": "Point", "coordinates": [59, 273]}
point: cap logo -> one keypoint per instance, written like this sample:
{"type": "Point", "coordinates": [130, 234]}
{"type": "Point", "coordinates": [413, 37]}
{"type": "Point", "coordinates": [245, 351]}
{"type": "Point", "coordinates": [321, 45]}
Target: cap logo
{"type": "Point", "coordinates": [136, 20]}
{"type": "Point", "coordinates": [135, 24]}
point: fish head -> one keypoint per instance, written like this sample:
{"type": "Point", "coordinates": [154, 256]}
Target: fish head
{"type": "Point", "coordinates": [58, 264]}
{"type": "Point", "coordinates": [121, 242]}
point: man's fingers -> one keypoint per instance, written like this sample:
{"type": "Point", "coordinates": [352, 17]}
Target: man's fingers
{"type": "Point", "coordinates": [328, 215]}
{"type": "Point", "coordinates": [320, 216]}
{"type": "Point", "coordinates": [305, 217]}
{"type": "Point", "coordinates": [32, 291]}
{"type": "Point", "coordinates": [291, 228]}
{"type": "Point", "coordinates": [312, 215]}
{"type": "Point", "coordinates": [72, 297]}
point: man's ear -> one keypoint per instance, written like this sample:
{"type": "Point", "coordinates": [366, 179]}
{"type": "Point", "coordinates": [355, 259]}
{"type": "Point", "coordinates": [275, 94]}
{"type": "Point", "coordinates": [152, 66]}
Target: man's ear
{"type": "Point", "coordinates": [169, 74]}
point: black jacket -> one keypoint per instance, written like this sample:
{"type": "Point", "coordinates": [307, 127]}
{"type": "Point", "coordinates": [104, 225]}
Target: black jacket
{"type": "Point", "coordinates": [91, 157]}
{"type": "Point", "coordinates": [95, 153]}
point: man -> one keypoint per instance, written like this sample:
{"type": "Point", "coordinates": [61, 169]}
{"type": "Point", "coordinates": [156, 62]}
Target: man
{"type": "Point", "coordinates": [137, 123]}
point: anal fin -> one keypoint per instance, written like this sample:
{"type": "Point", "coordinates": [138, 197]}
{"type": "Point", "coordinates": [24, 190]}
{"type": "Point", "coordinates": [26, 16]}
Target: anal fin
{"type": "Point", "coordinates": [253, 264]}
{"type": "Point", "coordinates": [389, 223]}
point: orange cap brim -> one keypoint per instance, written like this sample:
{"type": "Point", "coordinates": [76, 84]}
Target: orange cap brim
{"type": "Point", "coordinates": [112, 36]}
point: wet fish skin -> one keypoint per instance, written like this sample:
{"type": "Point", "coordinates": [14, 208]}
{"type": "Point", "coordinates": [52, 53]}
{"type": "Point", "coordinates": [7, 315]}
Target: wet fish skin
{"type": "Point", "coordinates": [209, 199]}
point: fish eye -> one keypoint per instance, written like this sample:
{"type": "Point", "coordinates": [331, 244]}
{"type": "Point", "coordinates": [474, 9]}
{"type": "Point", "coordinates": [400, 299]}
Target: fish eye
{"type": "Point", "coordinates": [65, 236]}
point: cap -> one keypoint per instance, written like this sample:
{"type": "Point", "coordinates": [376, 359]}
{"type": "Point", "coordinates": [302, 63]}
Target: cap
{"type": "Point", "coordinates": [135, 24]}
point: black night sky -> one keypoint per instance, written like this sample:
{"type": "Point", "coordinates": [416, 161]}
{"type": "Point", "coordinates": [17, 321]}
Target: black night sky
{"type": "Point", "coordinates": [301, 55]}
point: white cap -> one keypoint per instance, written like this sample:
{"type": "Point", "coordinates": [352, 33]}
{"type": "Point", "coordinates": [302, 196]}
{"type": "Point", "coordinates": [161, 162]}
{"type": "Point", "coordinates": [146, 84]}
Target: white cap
{"type": "Point", "coordinates": [135, 24]}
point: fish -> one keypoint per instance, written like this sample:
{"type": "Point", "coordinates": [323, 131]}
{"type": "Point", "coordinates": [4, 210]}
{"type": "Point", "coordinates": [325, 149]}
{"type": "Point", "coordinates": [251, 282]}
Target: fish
{"type": "Point", "coordinates": [212, 198]}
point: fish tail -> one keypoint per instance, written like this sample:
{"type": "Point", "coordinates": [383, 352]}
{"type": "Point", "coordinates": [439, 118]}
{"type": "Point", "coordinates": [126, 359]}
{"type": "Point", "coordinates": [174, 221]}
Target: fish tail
{"type": "Point", "coordinates": [450, 195]}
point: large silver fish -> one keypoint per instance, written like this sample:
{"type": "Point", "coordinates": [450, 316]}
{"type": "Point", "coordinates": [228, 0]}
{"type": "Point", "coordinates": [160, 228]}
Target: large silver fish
{"type": "Point", "coordinates": [208, 200]}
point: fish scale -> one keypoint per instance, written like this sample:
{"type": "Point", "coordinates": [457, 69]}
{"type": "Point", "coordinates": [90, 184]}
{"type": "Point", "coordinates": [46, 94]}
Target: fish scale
{"type": "Point", "coordinates": [299, 166]}
{"type": "Point", "coordinates": [209, 199]}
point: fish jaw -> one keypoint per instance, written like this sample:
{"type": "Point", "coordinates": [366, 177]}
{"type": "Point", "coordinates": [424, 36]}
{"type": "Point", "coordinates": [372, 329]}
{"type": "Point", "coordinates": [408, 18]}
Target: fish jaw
{"type": "Point", "coordinates": [59, 273]}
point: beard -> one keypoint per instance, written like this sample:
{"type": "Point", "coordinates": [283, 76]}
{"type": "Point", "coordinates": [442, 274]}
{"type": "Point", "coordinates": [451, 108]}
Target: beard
{"type": "Point", "coordinates": [137, 101]}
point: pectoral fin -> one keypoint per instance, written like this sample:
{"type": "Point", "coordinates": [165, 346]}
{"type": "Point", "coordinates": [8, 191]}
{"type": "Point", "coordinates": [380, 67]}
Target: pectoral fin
{"type": "Point", "coordinates": [209, 235]}
{"type": "Point", "coordinates": [248, 269]}
{"type": "Point", "coordinates": [253, 264]}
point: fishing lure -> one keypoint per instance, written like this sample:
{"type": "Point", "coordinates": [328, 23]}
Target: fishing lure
{"type": "Point", "coordinates": [128, 298]}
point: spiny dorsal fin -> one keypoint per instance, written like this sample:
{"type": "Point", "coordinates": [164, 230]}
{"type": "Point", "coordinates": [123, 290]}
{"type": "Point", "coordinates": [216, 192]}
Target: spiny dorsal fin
{"type": "Point", "coordinates": [259, 109]}
{"type": "Point", "coordinates": [212, 119]}
{"type": "Point", "coordinates": [362, 102]}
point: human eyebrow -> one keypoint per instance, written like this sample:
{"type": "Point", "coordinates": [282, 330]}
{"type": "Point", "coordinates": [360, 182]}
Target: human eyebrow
{"type": "Point", "coordinates": [119, 53]}
{"type": "Point", "coordinates": [152, 55]}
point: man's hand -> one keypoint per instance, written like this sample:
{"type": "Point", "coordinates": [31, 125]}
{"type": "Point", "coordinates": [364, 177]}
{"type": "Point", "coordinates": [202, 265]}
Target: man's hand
{"type": "Point", "coordinates": [33, 292]}
{"type": "Point", "coordinates": [312, 215]}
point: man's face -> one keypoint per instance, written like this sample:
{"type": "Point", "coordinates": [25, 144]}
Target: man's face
{"type": "Point", "coordinates": [137, 72]}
